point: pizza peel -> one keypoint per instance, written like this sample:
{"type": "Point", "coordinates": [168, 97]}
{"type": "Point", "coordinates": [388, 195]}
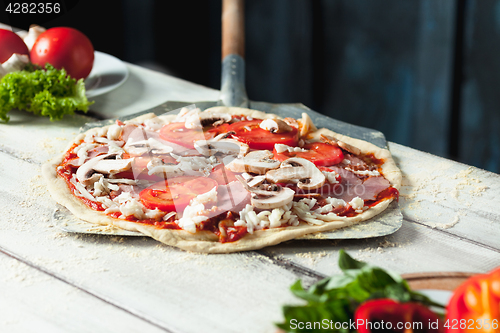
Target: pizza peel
{"type": "Point", "coordinates": [233, 93]}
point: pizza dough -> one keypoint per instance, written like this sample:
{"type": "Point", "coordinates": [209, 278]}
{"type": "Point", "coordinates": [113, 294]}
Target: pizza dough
{"type": "Point", "coordinates": [205, 241]}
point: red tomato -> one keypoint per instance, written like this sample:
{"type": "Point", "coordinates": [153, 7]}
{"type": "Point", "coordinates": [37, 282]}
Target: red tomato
{"type": "Point", "coordinates": [65, 48]}
{"type": "Point", "coordinates": [11, 43]}
{"type": "Point", "coordinates": [177, 133]}
{"type": "Point", "coordinates": [321, 154]}
{"type": "Point", "coordinates": [174, 194]}
{"type": "Point", "coordinates": [249, 132]}
{"type": "Point", "coordinates": [223, 128]}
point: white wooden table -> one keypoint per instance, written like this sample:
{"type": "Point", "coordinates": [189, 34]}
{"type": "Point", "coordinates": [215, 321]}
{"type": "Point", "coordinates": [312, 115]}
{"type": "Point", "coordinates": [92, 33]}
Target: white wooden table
{"type": "Point", "coordinates": [51, 281]}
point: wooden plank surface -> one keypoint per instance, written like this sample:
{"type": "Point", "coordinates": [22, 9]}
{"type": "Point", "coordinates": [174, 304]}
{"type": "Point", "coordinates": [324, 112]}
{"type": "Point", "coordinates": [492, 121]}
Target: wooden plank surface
{"type": "Point", "coordinates": [33, 301]}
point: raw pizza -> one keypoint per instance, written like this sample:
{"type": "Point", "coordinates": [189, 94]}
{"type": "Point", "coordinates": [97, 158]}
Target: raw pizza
{"type": "Point", "coordinates": [222, 180]}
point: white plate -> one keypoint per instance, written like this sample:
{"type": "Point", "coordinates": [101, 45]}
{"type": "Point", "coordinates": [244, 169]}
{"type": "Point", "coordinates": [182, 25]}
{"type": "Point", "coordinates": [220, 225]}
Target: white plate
{"type": "Point", "coordinates": [108, 73]}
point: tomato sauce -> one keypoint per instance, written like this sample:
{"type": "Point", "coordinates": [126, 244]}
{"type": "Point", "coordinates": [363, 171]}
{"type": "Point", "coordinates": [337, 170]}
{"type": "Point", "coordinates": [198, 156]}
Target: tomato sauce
{"type": "Point", "coordinates": [371, 159]}
{"type": "Point", "coordinates": [63, 173]}
{"type": "Point", "coordinates": [388, 193]}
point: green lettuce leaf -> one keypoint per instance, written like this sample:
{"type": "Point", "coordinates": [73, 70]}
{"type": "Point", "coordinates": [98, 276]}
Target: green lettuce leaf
{"type": "Point", "coordinates": [47, 92]}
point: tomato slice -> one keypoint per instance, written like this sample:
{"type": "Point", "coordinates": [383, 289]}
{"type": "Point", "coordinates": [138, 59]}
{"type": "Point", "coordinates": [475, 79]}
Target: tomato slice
{"type": "Point", "coordinates": [179, 134]}
{"type": "Point", "coordinates": [321, 154]}
{"type": "Point", "coordinates": [174, 194]}
{"type": "Point", "coordinates": [249, 132]}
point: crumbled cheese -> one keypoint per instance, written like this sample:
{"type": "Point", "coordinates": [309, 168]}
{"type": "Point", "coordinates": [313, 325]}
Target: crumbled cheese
{"type": "Point", "coordinates": [132, 207]}
{"type": "Point", "coordinates": [192, 215]}
{"type": "Point", "coordinates": [127, 205]}
{"type": "Point", "coordinates": [82, 151]}
{"type": "Point", "coordinates": [107, 141]}
{"type": "Point", "coordinates": [156, 166]}
{"type": "Point", "coordinates": [80, 190]}
{"type": "Point", "coordinates": [154, 124]}
{"type": "Point", "coordinates": [169, 215]}
{"type": "Point", "coordinates": [331, 204]}
{"type": "Point", "coordinates": [357, 204]}
{"type": "Point", "coordinates": [152, 213]}
{"type": "Point", "coordinates": [373, 173]}
{"type": "Point", "coordinates": [122, 181]}
{"type": "Point", "coordinates": [106, 202]}
{"type": "Point", "coordinates": [114, 132]}
{"type": "Point", "coordinates": [280, 148]}
{"type": "Point", "coordinates": [103, 131]}
{"type": "Point", "coordinates": [336, 202]}
{"type": "Point", "coordinates": [266, 219]}
{"type": "Point", "coordinates": [317, 217]}
{"type": "Point", "coordinates": [206, 198]}
{"type": "Point", "coordinates": [302, 210]}
{"type": "Point", "coordinates": [191, 218]}
{"type": "Point", "coordinates": [310, 202]}
{"type": "Point", "coordinates": [331, 177]}
{"type": "Point", "coordinates": [89, 138]}
{"type": "Point", "coordinates": [185, 113]}
{"type": "Point", "coordinates": [196, 163]}
{"type": "Point", "coordinates": [115, 149]}
{"type": "Point", "coordinates": [102, 187]}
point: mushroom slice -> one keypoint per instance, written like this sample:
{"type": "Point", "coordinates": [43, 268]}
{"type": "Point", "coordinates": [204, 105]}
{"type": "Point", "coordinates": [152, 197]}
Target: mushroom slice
{"type": "Point", "coordinates": [300, 171]}
{"type": "Point", "coordinates": [291, 121]}
{"type": "Point", "coordinates": [144, 146]}
{"type": "Point", "coordinates": [223, 146]}
{"type": "Point", "coordinates": [273, 199]}
{"type": "Point", "coordinates": [254, 181]}
{"type": "Point", "coordinates": [337, 143]}
{"type": "Point", "coordinates": [275, 126]}
{"type": "Point", "coordinates": [258, 161]}
{"type": "Point", "coordinates": [107, 166]}
{"type": "Point", "coordinates": [268, 196]}
{"type": "Point", "coordinates": [85, 173]}
{"type": "Point", "coordinates": [200, 120]}
{"type": "Point", "coordinates": [157, 167]}
{"type": "Point", "coordinates": [306, 125]}
{"type": "Point", "coordinates": [223, 136]}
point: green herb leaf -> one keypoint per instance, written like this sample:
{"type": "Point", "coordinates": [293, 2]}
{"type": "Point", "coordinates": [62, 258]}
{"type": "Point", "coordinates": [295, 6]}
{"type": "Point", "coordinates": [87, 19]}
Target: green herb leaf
{"type": "Point", "coordinates": [336, 298]}
{"type": "Point", "coordinates": [347, 262]}
{"type": "Point", "coordinates": [47, 92]}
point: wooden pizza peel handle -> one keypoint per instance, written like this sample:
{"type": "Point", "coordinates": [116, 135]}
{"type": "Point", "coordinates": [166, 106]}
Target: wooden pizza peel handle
{"type": "Point", "coordinates": [233, 28]}
{"type": "Point", "coordinates": [233, 92]}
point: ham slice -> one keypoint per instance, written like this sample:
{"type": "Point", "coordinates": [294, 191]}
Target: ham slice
{"type": "Point", "coordinates": [98, 151]}
{"type": "Point", "coordinates": [232, 197]}
{"type": "Point", "coordinates": [348, 178]}
{"type": "Point", "coordinates": [135, 133]}
{"type": "Point", "coordinates": [373, 186]}
{"type": "Point", "coordinates": [131, 131]}
{"type": "Point", "coordinates": [351, 186]}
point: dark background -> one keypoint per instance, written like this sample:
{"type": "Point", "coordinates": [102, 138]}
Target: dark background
{"type": "Point", "coordinates": [424, 72]}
